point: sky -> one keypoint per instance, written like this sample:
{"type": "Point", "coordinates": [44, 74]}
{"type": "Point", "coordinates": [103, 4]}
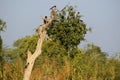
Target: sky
{"type": "Point", "coordinates": [103, 16]}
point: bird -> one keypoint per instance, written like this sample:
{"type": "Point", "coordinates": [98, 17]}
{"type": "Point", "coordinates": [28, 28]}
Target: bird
{"type": "Point", "coordinates": [53, 7]}
{"type": "Point", "coordinates": [54, 11]}
{"type": "Point", "coordinates": [78, 14]}
{"type": "Point", "coordinates": [45, 20]}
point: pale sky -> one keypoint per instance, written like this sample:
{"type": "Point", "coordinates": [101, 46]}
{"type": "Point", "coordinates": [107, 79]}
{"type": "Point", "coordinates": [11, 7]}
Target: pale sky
{"type": "Point", "coordinates": [103, 16]}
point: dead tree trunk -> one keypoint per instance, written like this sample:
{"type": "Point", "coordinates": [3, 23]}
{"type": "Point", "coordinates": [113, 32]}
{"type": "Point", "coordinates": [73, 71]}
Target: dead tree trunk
{"type": "Point", "coordinates": [32, 57]}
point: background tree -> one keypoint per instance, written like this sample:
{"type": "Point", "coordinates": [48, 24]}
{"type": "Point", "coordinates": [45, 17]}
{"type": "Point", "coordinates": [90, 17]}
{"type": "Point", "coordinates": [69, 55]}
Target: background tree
{"type": "Point", "coordinates": [28, 42]}
{"type": "Point", "coordinates": [2, 28]}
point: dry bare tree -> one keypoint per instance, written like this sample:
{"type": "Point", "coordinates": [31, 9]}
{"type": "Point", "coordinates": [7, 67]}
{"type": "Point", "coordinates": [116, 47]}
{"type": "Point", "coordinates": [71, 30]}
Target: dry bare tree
{"type": "Point", "coordinates": [31, 57]}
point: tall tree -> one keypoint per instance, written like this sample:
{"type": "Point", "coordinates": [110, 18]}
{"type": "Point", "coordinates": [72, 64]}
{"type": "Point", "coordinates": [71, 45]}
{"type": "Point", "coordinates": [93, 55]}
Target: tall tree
{"type": "Point", "coordinates": [64, 27]}
{"type": "Point", "coordinates": [32, 57]}
{"type": "Point", "coordinates": [67, 28]}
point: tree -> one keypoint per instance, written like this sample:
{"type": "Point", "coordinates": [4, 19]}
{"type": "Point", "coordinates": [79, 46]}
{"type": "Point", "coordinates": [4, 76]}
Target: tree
{"type": "Point", "coordinates": [65, 28]}
{"type": "Point", "coordinates": [2, 28]}
{"type": "Point", "coordinates": [0, 44]}
{"type": "Point", "coordinates": [2, 25]}
{"type": "Point", "coordinates": [32, 57]}
{"type": "Point", "coordinates": [116, 61]}
{"type": "Point", "coordinates": [68, 28]}
{"type": "Point", "coordinates": [93, 64]}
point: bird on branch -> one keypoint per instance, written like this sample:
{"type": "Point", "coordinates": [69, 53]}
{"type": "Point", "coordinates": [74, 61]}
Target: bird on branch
{"type": "Point", "coordinates": [54, 11]}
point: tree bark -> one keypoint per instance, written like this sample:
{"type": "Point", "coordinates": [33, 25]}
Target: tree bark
{"type": "Point", "coordinates": [32, 57]}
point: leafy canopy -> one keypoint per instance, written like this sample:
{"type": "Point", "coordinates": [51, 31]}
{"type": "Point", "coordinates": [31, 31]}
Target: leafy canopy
{"type": "Point", "coordinates": [68, 28]}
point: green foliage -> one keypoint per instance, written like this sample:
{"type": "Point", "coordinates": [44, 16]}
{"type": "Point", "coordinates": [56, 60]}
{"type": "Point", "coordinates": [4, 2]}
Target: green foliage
{"type": "Point", "coordinates": [68, 28]}
{"type": "Point", "coordinates": [2, 60]}
{"type": "Point", "coordinates": [93, 65]}
{"type": "Point", "coordinates": [2, 27]}
{"type": "Point", "coordinates": [0, 44]}
{"type": "Point", "coordinates": [53, 49]}
{"type": "Point", "coordinates": [28, 42]}
{"type": "Point", "coordinates": [116, 62]}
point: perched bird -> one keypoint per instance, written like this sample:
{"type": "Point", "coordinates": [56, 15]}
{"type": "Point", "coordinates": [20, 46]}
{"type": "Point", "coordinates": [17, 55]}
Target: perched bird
{"type": "Point", "coordinates": [45, 20]}
{"type": "Point", "coordinates": [78, 17]}
{"type": "Point", "coordinates": [53, 12]}
{"type": "Point", "coordinates": [78, 14]}
{"type": "Point", "coordinates": [53, 7]}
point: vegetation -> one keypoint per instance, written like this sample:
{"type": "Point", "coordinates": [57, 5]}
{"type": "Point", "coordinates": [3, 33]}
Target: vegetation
{"type": "Point", "coordinates": [68, 28]}
{"type": "Point", "coordinates": [61, 58]}
{"type": "Point", "coordinates": [2, 27]}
